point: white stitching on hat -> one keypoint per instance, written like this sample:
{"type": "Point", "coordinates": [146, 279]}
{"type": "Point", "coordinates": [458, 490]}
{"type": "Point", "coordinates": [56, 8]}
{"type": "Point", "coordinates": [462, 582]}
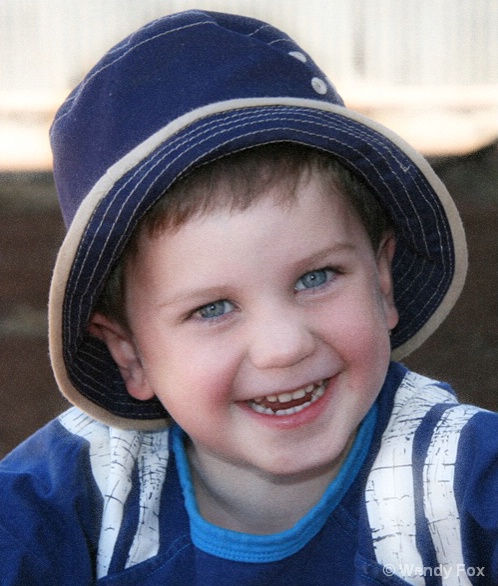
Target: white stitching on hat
{"type": "Point", "coordinates": [409, 195]}
{"type": "Point", "coordinates": [85, 82]}
{"type": "Point", "coordinates": [260, 28]}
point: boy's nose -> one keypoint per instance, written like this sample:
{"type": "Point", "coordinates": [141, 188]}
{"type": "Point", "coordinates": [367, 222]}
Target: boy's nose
{"type": "Point", "coordinates": [281, 342]}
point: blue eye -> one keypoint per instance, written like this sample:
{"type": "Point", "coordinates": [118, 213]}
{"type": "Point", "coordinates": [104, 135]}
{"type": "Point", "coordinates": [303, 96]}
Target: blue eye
{"type": "Point", "coordinates": [215, 309]}
{"type": "Point", "coordinates": [313, 279]}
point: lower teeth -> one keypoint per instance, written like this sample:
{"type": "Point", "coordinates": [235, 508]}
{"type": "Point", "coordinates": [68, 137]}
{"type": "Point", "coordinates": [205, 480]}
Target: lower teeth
{"type": "Point", "coordinates": [315, 395]}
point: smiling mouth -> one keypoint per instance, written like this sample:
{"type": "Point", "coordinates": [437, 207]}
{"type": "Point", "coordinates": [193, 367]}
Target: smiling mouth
{"type": "Point", "coordinates": [289, 403]}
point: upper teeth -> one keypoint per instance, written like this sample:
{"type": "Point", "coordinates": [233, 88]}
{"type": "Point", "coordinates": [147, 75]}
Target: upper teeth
{"type": "Point", "coordinates": [315, 391]}
{"type": "Point", "coordinates": [292, 396]}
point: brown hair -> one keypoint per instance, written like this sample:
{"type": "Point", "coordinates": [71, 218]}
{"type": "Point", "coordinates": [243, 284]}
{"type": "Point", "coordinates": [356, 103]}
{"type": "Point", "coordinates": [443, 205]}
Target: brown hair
{"type": "Point", "coordinates": [236, 182]}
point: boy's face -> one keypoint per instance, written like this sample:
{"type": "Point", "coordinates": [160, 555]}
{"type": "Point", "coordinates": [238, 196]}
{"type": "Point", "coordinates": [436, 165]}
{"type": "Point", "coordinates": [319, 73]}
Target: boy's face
{"type": "Point", "coordinates": [265, 332]}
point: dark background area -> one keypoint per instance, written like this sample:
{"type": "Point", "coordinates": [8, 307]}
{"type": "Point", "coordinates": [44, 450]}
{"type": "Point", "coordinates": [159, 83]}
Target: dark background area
{"type": "Point", "coordinates": [463, 351]}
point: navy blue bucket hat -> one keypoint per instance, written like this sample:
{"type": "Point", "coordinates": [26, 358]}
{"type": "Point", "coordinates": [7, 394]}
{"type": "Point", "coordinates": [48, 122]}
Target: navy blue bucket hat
{"type": "Point", "coordinates": [188, 89]}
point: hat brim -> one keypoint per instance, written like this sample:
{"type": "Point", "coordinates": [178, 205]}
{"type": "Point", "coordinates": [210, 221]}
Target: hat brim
{"type": "Point", "coordinates": [429, 267]}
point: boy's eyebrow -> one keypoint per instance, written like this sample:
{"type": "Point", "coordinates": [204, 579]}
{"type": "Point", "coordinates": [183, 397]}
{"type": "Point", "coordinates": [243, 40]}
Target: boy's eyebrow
{"type": "Point", "coordinates": [322, 254]}
{"type": "Point", "coordinates": [218, 291]}
{"type": "Point", "coordinates": [213, 293]}
{"type": "Point", "coordinates": [312, 261]}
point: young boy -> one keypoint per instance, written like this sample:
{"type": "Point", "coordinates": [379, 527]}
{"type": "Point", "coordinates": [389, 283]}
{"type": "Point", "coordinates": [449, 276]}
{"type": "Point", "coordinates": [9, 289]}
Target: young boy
{"type": "Point", "coordinates": [244, 258]}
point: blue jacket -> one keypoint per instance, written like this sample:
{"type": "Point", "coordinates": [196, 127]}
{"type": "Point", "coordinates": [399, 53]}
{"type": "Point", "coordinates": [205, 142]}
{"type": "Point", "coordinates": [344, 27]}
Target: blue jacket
{"type": "Point", "coordinates": [415, 503]}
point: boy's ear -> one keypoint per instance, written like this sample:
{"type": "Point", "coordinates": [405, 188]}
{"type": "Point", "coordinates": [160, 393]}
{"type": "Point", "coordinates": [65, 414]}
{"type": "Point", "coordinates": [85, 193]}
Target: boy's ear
{"type": "Point", "coordinates": [122, 347]}
{"type": "Point", "coordinates": [385, 255]}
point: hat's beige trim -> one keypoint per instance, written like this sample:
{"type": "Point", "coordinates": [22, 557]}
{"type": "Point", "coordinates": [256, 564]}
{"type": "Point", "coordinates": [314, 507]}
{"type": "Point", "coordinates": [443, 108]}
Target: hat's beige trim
{"type": "Point", "coordinates": [461, 263]}
{"type": "Point", "coordinates": [71, 242]}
